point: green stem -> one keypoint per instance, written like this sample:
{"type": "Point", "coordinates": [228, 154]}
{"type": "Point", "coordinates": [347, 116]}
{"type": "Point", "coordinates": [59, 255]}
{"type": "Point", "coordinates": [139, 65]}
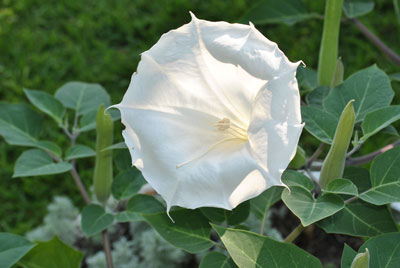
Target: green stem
{"type": "Point", "coordinates": [328, 52]}
{"type": "Point", "coordinates": [294, 234]}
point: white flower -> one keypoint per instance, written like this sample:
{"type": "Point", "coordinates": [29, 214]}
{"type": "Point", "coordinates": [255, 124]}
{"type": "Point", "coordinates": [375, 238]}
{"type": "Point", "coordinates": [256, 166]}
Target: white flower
{"type": "Point", "coordinates": [212, 115]}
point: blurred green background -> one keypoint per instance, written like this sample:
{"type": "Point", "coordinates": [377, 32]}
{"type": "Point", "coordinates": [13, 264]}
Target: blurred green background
{"type": "Point", "coordinates": [45, 43]}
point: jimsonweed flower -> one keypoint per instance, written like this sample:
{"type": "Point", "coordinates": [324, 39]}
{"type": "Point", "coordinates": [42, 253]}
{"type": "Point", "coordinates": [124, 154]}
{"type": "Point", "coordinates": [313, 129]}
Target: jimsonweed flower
{"type": "Point", "coordinates": [212, 114]}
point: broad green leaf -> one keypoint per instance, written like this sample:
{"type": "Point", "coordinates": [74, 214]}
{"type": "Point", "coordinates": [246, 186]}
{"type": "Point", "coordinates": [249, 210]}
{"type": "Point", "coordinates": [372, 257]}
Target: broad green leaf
{"type": "Point", "coordinates": [361, 260]}
{"type": "Point", "coordinates": [341, 186]}
{"type": "Point", "coordinates": [299, 159]}
{"type": "Point", "coordinates": [190, 230]}
{"type": "Point", "coordinates": [370, 88]}
{"type": "Point", "coordinates": [359, 176]}
{"type": "Point", "coordinates": [79, 151]}
{"type": "Point", "coordinates": [123, 160]}
{"type": "Point", "coordinates": [262, 203]}
{"type": "Point", "coordinates": [35, 162]}
{"type": "Point", "coordinates": [307, 78]}
{"type": "Point", "coordinates": [319, 123]}
{"type": "Point", "coordinates": [379, 119]}
{"type": "Point", "coordinates": [348, 256]}
{"type": "Point", "coordinates": [253, 250]}
{"type": "Point", "coordinates": [216, 260]}
{"type": "Point", "coordinates": [88, 120]}
{"type": "Point", "coordinates": [95, 219]}
{"type": "Point", "coordinates": [316, 97]}
{"type": "Point", "coordinates": [82, 97]}
{"type": "Point", "coordinates": [233, 217]}
{"type": "Point", "coordinates": [46, 103]}
{"type": "Point", "coordinates": [20, 125]}
{"type": "Point", "coordinates": [359, 218]}
{"type": "Point", "coordinates": [49, 146]}
{"type": "Point", "coordinates": [13, 248]}
{"type": "Point", "coordinates": [308, 209]}
{"type": "Point", "coordinates": [271, 11]}
{"type": "Point", "coordinates": [144, 204]}
{"type": "Point", "coordinates": [384, 250]}
{"type": "Point", "coordinates": [294, 178]}
{"type": "Point", "coordinates": [127, 183]}
{"type": "Point", "coordinates": [357, 8]}
{"type": "Point", "coordinates": [128, 216]}
{"type": "Point", "coordinates": [119, 145]}
{"type": "Point", "coordinates": [51, 254]}
{"type": "Point", "coordinates": [385, 179]}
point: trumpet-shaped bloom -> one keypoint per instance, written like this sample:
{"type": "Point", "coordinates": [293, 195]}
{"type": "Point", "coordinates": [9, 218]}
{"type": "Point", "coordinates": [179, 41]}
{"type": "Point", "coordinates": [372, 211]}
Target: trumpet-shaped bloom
{"type": "Point", "coordinates": [212, 115]}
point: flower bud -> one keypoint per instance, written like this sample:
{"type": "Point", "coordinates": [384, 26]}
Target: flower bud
{"type": "Point", "coordinates": [102, 178]}
{"type": "Point", "coordinates": [334, 162]}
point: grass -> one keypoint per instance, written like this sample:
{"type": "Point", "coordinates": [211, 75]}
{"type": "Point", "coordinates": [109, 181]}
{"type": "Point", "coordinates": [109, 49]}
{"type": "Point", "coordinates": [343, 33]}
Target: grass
{"type": "Point", "coordinates": [45, 43]}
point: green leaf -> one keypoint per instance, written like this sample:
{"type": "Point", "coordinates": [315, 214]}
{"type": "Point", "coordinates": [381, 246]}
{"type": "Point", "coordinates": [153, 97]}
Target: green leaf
{"type": "Point", "coordinates": [294, 178]}
{"type": "Point", "coordinates": [13, 248]}
{"type": "Point", "coordinates": [233, 217]}
{"type": "Point", "coordinates": [359, 218]}
{"type": "Point", "coordinates": [128, 216]}
{"type": "Point", "coordinates": [385, 179]}
{"type": "Point", "coordinates": [127, 183]}
{"type": "Point", "coordinates": [51, 254]}
{"type": "Point", "coordinates": [216, 260]}
{"type": "Point", "coordinates": [379, 119]}
{"type": "Point", "coordinates": [359, 176]}
{"type": "Point", "coordinates": [370, 88]}
{"type": "Point", "coordinates": [316, 97]}
{"type": "Point", "coordinates": [20, 125]}
{"type": "Point", "coordinates": [79, 151]}
{"type": "Point", "coordinates": [390, 130]}
{"type": "Point", "coordinates": [95, 219]}
{"type": "Point", "coordinates": [361, 260]}
{"type": "Point", "coordinates": [262, 203]}
{"type": "Point", "coordinates": [252, 250]}
{"type": "Point", "coordinates": [35, 162]}
{"type": "Point", "coordinates": [49, 146]}
{"type": "Point", "coordinates": [88, 121]}
{"type": "Point", "coordinates": [46, 103]}
{"type": "Point", "coordinates": [190, 230]}
{"type": "Point", "coordinates": [308, 209]}
{"type": "Point", "coordinates": [307, 78]}
{"type": "Point", "coordinates": [348, 256]}
{"type": "Point", "coordinates": [319, 123]}
{"type": "Point", "coordinates": [83, 97]}
{"type": "Point", "coordinates": [144, 204]}
{"type": "Point", "coordinates": [271, 11]}
{"type": "Point", "coordinates": [341, 186]}
{"type": "Point", "coordinates": [119, 145]}
{"type": "Point", "coordinates": [384, 250]}
{"type": "Point", "coordinates": [357, 8]}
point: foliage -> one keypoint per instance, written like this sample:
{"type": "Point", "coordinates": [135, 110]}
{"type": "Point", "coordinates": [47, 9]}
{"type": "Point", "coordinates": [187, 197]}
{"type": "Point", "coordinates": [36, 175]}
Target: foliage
{"type": "Point", "coordinates": [355, 202]}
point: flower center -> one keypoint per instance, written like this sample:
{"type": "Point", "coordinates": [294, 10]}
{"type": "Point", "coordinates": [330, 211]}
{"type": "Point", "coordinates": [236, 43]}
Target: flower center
{"type": "Point", "coordinates": [224, 125]}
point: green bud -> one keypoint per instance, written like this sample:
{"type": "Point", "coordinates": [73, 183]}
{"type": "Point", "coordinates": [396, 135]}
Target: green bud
{"type": "Point", "coordinates": [361, 260]}
{"type": "Point", "coordinates": [338, 74]}
{"type": "Point", "coordinates": [299, 159]}
{"type": "Point", "coordinates": [335, 160]}
{"type": "Point", "coordinates": [102, 178]}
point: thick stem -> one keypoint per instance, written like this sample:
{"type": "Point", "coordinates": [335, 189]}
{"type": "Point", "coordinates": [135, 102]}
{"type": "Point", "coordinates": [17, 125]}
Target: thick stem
{"type": "Point", "coordinates": [369, 157]}
{"type": "Point", "coordinates": [79, 183]}
{"type": "Point", "coordinates": [107, 249]}
{"type": "Point", "coordinates": [328, 52]}
{"type": "Point", "coordinates": [377, 42]}
{"type": "Point", "coordinates": [294, 234]}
